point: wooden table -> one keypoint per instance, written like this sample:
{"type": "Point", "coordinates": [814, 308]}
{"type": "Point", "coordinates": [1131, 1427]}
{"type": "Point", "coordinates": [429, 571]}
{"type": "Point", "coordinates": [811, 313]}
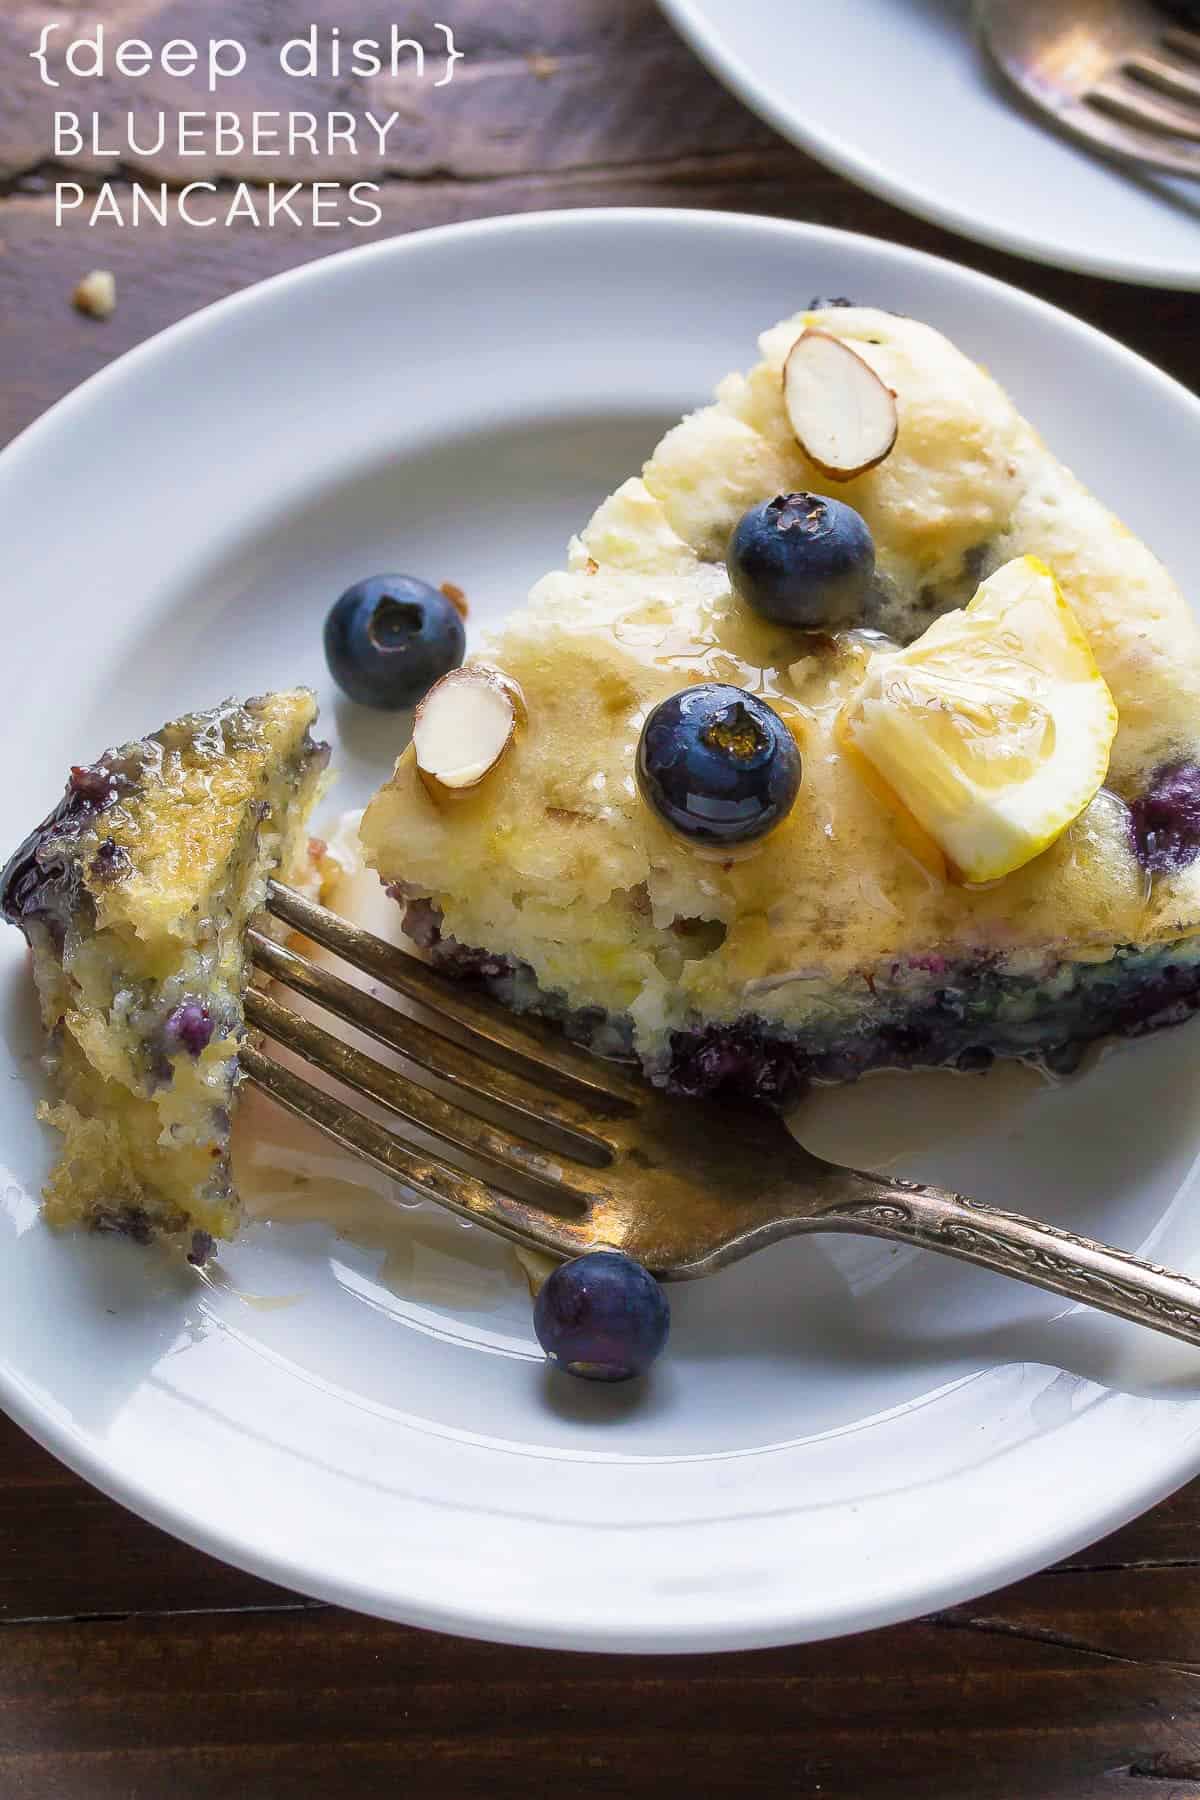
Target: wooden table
{"type": "Point", "coordinates": [132, 1666]}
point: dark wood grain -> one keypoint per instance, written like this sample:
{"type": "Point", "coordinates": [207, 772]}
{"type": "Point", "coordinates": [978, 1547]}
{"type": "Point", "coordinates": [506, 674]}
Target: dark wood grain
{"type": "Point", "coordinates": [132, 1666]}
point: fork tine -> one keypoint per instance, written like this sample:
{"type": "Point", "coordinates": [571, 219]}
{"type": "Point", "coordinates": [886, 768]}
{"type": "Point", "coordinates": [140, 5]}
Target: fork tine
{"type": "Point", "coordinates": [531, 1050]}
{"type": "Point", "coordinates": [1127, 143]}
{"type": "Point", "coordinates": [423, 1174]}
{"type": "Point", "coordinates": [1167, 76]}
{"type": "Point", "coordinates": [505, 1155]}
{"type": "Point", "coordinates": [553, 1121]}
{"type": "Point", "coordinates": [1184, 43]}
{"type": "Point", "coordinates": [1125, 102]}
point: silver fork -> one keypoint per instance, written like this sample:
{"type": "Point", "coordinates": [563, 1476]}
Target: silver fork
{"type": "Point", "coordinates": [563, 1152]}
{"type": "Point", "coordinates": [1116, 73]}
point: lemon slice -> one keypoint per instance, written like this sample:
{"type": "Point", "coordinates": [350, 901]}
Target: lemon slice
{"type": "Point", "coordinates": [994, 728]}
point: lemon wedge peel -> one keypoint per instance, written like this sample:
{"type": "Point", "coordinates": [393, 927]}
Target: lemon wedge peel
{"type": "Point", "coordinates": [993, 729]}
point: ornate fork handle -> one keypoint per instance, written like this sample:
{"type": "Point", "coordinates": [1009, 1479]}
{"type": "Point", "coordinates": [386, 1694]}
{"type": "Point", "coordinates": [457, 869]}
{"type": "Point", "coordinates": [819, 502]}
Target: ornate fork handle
{"type": "Point", "coordinates": [1079, 1268]}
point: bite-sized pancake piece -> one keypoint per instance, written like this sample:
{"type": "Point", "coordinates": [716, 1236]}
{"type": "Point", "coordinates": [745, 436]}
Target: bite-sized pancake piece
{"type": "Point", "coordinates": [134, 895]}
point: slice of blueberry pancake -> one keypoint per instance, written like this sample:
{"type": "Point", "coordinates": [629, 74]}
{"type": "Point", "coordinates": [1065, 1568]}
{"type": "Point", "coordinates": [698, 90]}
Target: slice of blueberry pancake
{"type": "Point", "coordinates": [976, 834]}
{"type": "Point", "coordinates": [134, 895]}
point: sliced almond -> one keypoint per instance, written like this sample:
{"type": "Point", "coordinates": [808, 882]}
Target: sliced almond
{"type": "Point", "coordinates": [463, 727]}
{"type": "Point", "coordinates": [843, 415]}
{"type": "Point", "coordinates": [511, 687]}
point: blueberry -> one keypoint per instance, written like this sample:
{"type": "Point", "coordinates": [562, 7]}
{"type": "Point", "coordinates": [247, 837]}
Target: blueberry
{"type": "Point", "coordinates": [202, 1247]}
{"type": "Point", "coordinates": [1165, 819]}
{"type": "Point", "coordinates": [802, 559]}
{"type": "Point", "coordinates": [718, 765]}
{"type": "Point", "coordinates": [189, 1028]}
{"type": "Point", "coordinates": [388, 639]}
{"type": "Point", "coordinates": [42, 879]}
{"type": "Point", "coordinates": [602, 1316]}
{"type": "Point", "coordinates": [111, 862]}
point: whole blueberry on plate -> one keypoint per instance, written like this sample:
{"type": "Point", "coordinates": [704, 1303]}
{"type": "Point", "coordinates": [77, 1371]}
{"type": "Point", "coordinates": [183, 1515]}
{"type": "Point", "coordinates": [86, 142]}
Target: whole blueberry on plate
{"type": "Point", "coordinates": [717, 764]}
{"type": "Point", "coordinates": [389, 638]}
{"type": "Point", "coordinates": [803, 559]}
{"type": "Point", "coordinates": [602, 1316]}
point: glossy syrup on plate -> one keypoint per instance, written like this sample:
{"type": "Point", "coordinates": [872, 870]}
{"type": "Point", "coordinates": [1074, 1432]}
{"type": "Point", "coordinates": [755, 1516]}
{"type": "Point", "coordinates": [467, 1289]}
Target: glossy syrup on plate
{"type": "Point", "coordinates": [289, 1174]}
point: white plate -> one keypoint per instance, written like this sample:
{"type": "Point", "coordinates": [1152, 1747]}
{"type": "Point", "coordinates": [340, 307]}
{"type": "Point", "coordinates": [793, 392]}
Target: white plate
{"type": "Point", "coordinates": [840, 1434]}
{"type": "Point", "coordinates": [896, 95]}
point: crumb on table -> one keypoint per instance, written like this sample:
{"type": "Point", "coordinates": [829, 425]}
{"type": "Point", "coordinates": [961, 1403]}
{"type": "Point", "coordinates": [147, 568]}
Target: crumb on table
{"type": "Point", "coordinates": [96, 294]}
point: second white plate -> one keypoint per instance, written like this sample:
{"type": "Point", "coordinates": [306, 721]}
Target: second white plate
{"type": "Point", "coordinates": [896, 95]}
